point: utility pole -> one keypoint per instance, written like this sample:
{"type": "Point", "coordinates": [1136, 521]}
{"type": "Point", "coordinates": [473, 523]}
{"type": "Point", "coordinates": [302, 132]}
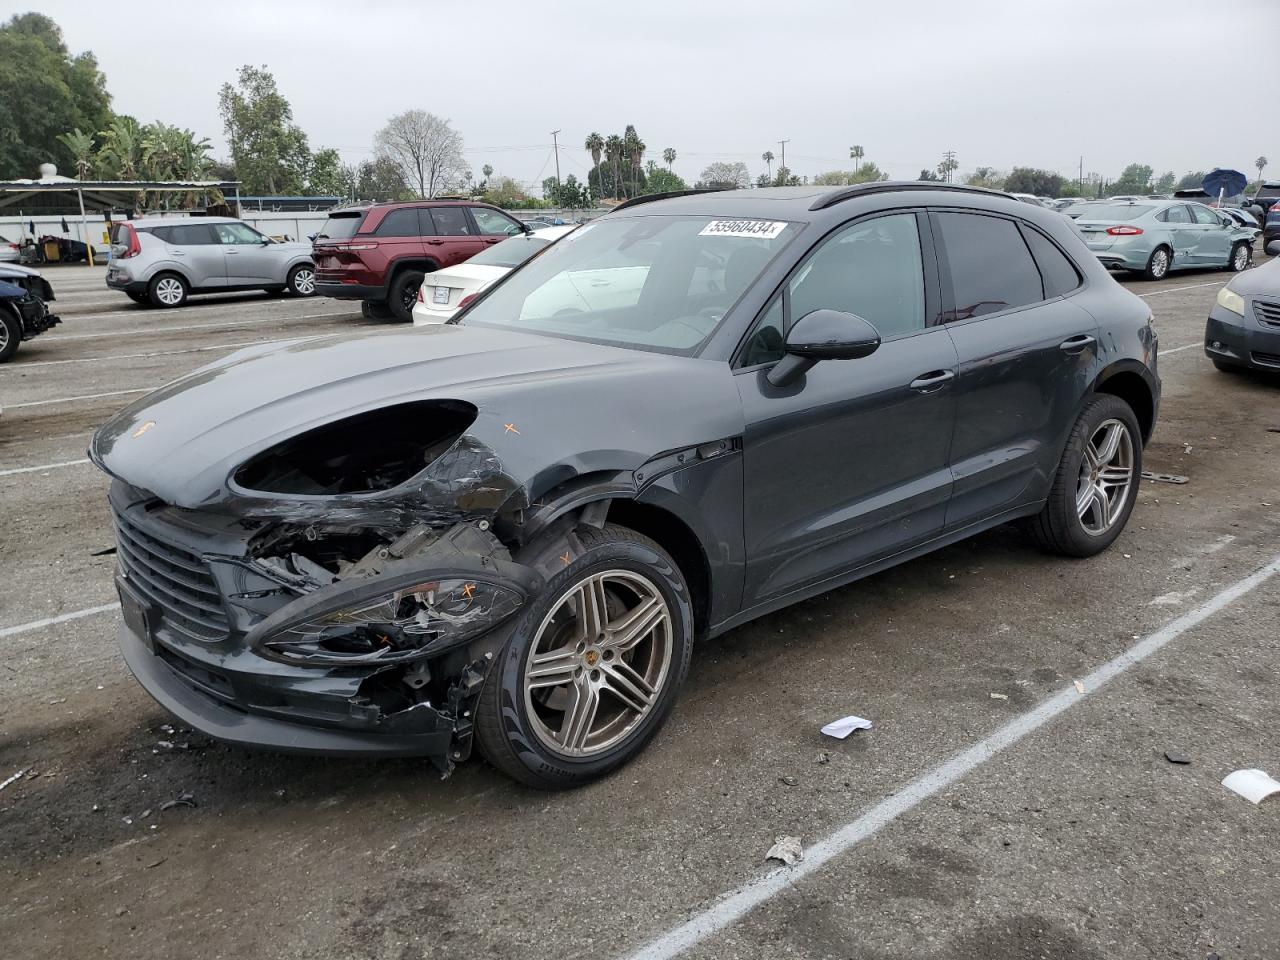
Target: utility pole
{"type": "Point", "coordinates": [555, 146]}
{"type": "Point", "coordinates": [782, 164]}
{"type": "Point", "coordinates": [1082, 173]}
{"type": "Point", "coordinates": [949, 164]}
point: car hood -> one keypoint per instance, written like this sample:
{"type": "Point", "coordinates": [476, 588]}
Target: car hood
{"type": "Point", "coordinates": [547, 410]}
{"type": "Point", "coordinates": [1263, 281]}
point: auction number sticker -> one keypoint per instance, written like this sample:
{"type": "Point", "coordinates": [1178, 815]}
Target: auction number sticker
{"type": "Point", "coordinates": [760, 229]}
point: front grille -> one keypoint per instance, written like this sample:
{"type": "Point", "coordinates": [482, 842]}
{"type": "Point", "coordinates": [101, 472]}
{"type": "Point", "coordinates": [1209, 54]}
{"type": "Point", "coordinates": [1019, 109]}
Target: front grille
{"type": "Point", "coordinates": [1269, 359]}
{"type": "Point", "coordinates": [1268, 313]}
{"type": "Point", "coordinates": [173, 578]}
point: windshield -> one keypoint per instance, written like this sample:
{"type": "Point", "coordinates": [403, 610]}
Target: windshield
{"type": "Point", "coordinates": [654, 283]}
{"type": "Point", "coordinates": [1113, 211]}
{"type": "Point", "coordinates": [341, 226]}
{"type": "Point", "coordinates": [510, 253]}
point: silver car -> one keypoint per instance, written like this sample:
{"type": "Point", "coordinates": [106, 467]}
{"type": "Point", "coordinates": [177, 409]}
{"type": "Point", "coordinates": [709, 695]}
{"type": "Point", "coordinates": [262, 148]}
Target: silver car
{"type": "Point", "coordinates": [162, 261]}
{"type": "Point", "coordinates": [1152, 237]}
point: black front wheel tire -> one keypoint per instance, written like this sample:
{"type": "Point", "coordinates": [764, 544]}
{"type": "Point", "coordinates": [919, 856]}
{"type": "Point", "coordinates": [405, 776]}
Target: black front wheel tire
{"type": "Point", "coordinates": [10, 334]}
{"type": "Point", "coordinates": [592, 665]}
{"type": "Point", "coordinates": [404, 294]}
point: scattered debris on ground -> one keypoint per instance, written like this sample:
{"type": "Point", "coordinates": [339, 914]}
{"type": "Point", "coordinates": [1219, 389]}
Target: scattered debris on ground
{"type": "Point", "coordinates": [1254, 785]}
{"type": "Point", "coordinates": [1163, 477]}
{"type": "Point", "coordinates": [844, 726]}
{"type": "Point", "coordinates": [1079, 686]}
{"type": "Point", "coordinates": [999, 696]}
{"type": "Point", "coordinates": [788, 781]}
{"type": "Point", "coordinates": [14, 779]}
{"type": "Point", "coordinates": [183, 800]}
{"type": "Point", "coordinates": [1174, 757]}
{"type": "Point", "coordinates": [786, 849]}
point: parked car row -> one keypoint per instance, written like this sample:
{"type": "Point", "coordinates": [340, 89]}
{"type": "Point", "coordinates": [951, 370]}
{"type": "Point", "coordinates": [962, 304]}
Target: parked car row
{"type": "Point", "coordinates": [1152, 237]}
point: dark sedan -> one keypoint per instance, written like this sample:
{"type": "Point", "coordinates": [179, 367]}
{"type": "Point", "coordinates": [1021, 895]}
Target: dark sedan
{"type": "Point", "coordinates": [1243, 330]}
{"type": "Point", "coordinates": [509, 530]}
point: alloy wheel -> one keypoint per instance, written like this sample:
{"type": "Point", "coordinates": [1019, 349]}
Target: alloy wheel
{"type": "Point", "coordinates": [169, 291]}
{"type": "Point", "coordinates": [598, 663]}
{"type": "Point", "coordinates": [1106, 477]}
{"type": "Point", "coordinates": [304, 282]}
{"type": "Point", "coordinates": [1159, 264]}
{"type": "Point", "coordinates": [4, 336]}
{"type": "Point", "coordinates": [1240, 259]}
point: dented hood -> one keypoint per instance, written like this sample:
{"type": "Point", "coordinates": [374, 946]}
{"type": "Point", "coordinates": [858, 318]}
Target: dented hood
{"type": "Point", "coordinates": [549, 409]}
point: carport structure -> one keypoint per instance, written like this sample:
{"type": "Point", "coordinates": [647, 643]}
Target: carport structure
{"type": "Point", "coordinates": [103, 194]}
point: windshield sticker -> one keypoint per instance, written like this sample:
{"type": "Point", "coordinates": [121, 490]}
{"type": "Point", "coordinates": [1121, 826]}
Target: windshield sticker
{"type": "Point", "coordinates": [759, 229]}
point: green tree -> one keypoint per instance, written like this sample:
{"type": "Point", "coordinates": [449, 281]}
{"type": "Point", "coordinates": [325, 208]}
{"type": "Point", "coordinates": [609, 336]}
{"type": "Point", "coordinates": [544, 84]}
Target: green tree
{"type": "Point", "coordinates": [1165, 182]}
{"type": "Point", "coordinates": [488, 172]}
{"type": "Point", "coordinates": [988, 177]}
{"type": "Point", "coordinates": [767, 157]}
{"type": "Point", "coordinates": [856, 154]}
{"type": "Point", "coordinates": [929, 175]}
{"type": "Point", "coordinates": [1190, 181]}
{"type": "Point", "coordinates": [594, 145]}
{"type": "Point", "coordinates": [380, 179]}
{"type": "Point", "coordinates": [669, 157]}
{"type": "Point", "coordinates": [120, 157]}
{"type": "Point", "coordinates": [44, 92]}
{"type": "Point", "coordinates": [866, 173]}
{"type": "Point", "coordinates": [1135, 179]}
{"type": "Point", "coordinates": [658, 180]}
{"type": "Point", "coordinates": [1038, 182]}
{"type": "Point", "coordinates": [268, 149]}
{"type": "Point", "coordinates": [614, 149]}
{"type": "Point", "coordinates": [81, 146]}
{"type": "Point", "coordinates": [326, 176]}
{"type": "Point", "coordinates": [505, 192]}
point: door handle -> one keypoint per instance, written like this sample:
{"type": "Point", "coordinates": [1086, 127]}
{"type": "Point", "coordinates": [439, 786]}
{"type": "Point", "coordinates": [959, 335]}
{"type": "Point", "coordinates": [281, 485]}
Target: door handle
{"type": "Point", "coordinates": [1077, 343]}
{"type": "Point", "coordinates": [232, 252]}
{"type": "Point", "coordinates": [179, 253]}
{"type": "Point", "coordinates": [435, 243]}
{"type": "Point", "coordinates": [929, 382]}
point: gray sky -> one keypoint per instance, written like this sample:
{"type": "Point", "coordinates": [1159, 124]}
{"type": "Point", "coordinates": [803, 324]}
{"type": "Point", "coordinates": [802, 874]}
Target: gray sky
{"type": "Point", "coordinates": [1001, 82]}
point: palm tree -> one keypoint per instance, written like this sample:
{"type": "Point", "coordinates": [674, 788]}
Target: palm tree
{"type": "Point", "coordinates": [488, 172]}
{"type": "Point", "coordinates": [629, 138]}
{"type": "Point", "coordinates": [637, 156]}
{"type": "Point", "coordinates": [81, 146]}
{"type": "Point", "coordinates": [594, 145]}
{"type": "Point", "coordinates": [767, 157]}
{"type": "Point", "coordinates": [669, 156]}
{"type": "Point", "coordinates": [613, 149]}
{"type": "Point", "coordinates": [856, 155]}
{"type": "Point", "coordinates": [1261, 164]}
{"type": "Point", "coordinates": [121, 151]}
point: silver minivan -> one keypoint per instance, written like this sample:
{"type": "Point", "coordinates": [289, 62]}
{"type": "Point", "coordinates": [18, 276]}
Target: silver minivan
{"type": "Point", "coordinates": [162, 261]}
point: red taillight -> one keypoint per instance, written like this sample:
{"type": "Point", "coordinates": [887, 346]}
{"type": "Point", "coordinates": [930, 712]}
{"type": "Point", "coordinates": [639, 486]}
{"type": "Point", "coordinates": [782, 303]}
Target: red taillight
{"type": "Point", "coordinates": [134, 248]}
{"type": "Point", "coordinates": [13, 246]}
{"type": "Point", "coordinates": [467, 299]}
{"type": "Point", "coordinates": [1275, 207]}
{"type": "Point", "coordinates": [1124, 231]}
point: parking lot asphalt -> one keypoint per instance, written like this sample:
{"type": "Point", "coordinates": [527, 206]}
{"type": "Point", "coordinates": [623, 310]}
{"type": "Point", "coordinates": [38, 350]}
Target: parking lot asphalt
{"type": "Point", "coordinates": [1062, 833]}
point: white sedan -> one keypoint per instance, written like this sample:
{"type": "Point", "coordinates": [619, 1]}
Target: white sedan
{"type": "Point", "coordinates": [445, 292]}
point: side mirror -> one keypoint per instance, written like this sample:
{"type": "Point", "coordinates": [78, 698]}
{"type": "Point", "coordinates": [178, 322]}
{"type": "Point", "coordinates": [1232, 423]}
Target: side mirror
{"type": "Point", "coordinates": [823, 335]}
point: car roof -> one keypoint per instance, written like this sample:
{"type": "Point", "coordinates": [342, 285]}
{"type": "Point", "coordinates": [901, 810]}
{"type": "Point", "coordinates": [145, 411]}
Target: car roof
{"type": "Point", "coordinates": [802, 204]}
{"type": "Point", "coordinates": [173, 221]}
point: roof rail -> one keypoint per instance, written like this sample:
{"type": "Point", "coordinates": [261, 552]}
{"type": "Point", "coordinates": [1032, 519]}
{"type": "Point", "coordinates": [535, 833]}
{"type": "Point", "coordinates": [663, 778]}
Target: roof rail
{"type": "Point", "coordinates": [894, 186]}
{"type": "Point", "coordinates": [650, 197]}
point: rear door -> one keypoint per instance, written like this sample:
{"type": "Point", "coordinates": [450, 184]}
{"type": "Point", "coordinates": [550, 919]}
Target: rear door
{"type": "Point", "coordinates": [456, 236]}
{"type": "Point", "coordinates": [1026, 353]}
{"type": "Point", "coordinates": [1213, 238]}
{"type": "Point", "coordinates": [494, 227]}
{"type": "Point", "coordinates": [1183, 233]}
{"type": "Point", "coordinates": [195, 247]}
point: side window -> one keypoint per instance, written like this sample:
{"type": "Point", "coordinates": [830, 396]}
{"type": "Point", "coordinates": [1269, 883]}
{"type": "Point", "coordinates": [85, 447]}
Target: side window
{"type": "Point", "coordinates": [191, 235]}
{"type": "Point", "coordinates": [399, 223]}
{"type": "Point", "coordinates": [872, 269]}
{"type": "Point", "coordinates": [236, 233]}
{"type": "Point", "coordinates": [1176, 214]}
{"type": "Point", "coordinates": [1059, 274]}
{"type": "Point", "coordinates": [1204, 215]}
{"type": "Point", "coordinates": [451, 221]}
{"type": "Point", "coordinates": [494, 224]}
{"type": "Point", "coordinates": [765, 343]}
{"type": "Point", "coordinates": [991, 267]}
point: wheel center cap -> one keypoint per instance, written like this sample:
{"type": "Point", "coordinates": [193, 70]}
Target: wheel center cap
{"type": "Point", "coordinates": [591, 657]}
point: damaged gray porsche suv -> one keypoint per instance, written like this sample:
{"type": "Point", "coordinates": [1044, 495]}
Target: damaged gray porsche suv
{"type": "Point", "coordinates": [506, 532]}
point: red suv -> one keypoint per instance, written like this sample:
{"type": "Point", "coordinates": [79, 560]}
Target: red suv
{"type": "Point", "coordinates": [380, 253]}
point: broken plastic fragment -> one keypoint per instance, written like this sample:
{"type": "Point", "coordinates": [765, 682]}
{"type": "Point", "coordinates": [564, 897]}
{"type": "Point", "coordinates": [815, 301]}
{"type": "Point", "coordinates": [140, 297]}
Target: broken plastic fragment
{"type": "Point", "coordinates": [786, 849]}
{"type": "Point", "coordinates": [1079, 686]}
{"type": "Point", "coordinates": [999, 696]}
{"type": "Point", "coordinates": [16, 777]}
{"type": "Point", "coordinates": [844, 726]}
{"type": "Point", "coordinates": [1254, 785]}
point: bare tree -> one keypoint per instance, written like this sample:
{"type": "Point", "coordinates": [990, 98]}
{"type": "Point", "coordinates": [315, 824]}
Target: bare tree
{"type": "Point", "coordinates": [427, 151]}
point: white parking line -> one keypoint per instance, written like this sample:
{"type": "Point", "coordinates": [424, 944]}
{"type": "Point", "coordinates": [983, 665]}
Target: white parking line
{"type": "Point", "coordinates": [1190, 286]}
{"type": "Point", "coordinates": [741, 901]}
{"type": "Point", "coordinates": [87, 396]}
{"type": "Point", "coordinates": [1185, 346]}
{"type": "Point", "coordinates": [152, 331]}
{"type": "Point", "coordinates": [157, 353]}
{"type": "Point", "coordinates": [47, 466]}
{"type": "Point", "coordinates": [61, 618]}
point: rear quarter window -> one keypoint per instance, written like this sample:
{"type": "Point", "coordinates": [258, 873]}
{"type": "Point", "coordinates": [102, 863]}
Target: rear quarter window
{"type": "Point", "coordinates": [1056, 269]}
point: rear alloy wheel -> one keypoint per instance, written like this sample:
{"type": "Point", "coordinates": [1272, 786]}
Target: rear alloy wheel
{"type": "Point", "coordinates": [1096, 483]}
{"type": "Point", "coordinates": [1157, 264]}
{"type": "Point", "coordinates": [1241, 256]}
{"type": "Point", "coordinates": [167, 290]}
{"type": "Point", "coordinates": [302, 280]}
{"type": "Point", "coordinates": [404, 293]}
{"type": "Point", "coordinates": [592, 667]}
{"type": "Point", "coordinates": [10, 334]}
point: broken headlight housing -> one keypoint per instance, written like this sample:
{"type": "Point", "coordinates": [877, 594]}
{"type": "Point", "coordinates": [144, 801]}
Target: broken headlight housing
{"type": "Point", "coordinates": [387, 619]}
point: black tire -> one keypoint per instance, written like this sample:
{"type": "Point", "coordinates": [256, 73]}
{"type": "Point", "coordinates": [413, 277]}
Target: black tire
{"type": "Point", "coordinates": [162, 291]}
{"type": "Point", "coordinates": [505, 732]}
{"type": "Point", "coordinates": [1058, 527]}
{"type": "Point", "coordinates": [301, 281]}
{"type": "Point", "coordinates": [374, 310]}
{"type": "Point", "coordinates": [1241, 257]}
{"type": "Point", "coordinates": [141, 298]}
{"type": "Point", "coordinates": [1158, 263]}
{"type": "Point", "coordinates": [404, 293]}
{"type": "Point", "coordinates": [10, 334]}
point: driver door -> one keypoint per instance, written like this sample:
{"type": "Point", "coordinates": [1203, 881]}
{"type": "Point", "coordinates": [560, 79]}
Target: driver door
{"type": "Point", "coordinates": [850, 463]}
{"type": "Point", "coordinates": [250, 259]}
